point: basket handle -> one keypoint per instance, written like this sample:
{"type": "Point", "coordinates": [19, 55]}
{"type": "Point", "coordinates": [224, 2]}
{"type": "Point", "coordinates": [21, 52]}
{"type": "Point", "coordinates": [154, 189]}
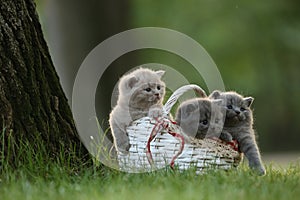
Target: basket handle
{"type": "Point", "coordinates": [174, 97]}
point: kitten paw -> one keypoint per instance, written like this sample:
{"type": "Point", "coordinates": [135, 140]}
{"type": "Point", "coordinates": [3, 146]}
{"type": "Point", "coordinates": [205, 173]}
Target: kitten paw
{"type": "Point", "coordinates": [260, 171]}
{"type": "Point", "coordinates": [124, 148]}
{"type": "Point", "coordinates": [226, 137]}
{"type": "Point", "coordinates": [155, 112]}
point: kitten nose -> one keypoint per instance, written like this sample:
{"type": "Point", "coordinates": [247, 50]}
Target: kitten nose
{"type": "Point", "coordinates": [156, 94]}
{"type": "Point", "coordinates": [237, 112]}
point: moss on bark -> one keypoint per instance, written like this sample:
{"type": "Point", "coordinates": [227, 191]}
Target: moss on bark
{"type": "Point", "coordinates": [31, 98]}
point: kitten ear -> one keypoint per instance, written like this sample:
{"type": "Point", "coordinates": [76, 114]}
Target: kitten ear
{"type": "Point", "coordinates": [248, 101]}
{"type": "Point", "coordinates": [215, 94]}
{"type": "Point", "coordinates": [132, 81]}
{"type": "Point", "coordinates": [187, 110]}
{"type": "Point", "coordinates": [160, 73]}
{"type": "Point", "coordinates": [190, 108]}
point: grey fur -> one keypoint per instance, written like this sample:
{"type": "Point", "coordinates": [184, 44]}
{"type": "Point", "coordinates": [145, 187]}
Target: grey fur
{"type": "Point", "coordinates": [239, 125]}
{"type": "Point", "coordinates": [200, 117]}
{"type": "Point", "coordinates": [139, 92]}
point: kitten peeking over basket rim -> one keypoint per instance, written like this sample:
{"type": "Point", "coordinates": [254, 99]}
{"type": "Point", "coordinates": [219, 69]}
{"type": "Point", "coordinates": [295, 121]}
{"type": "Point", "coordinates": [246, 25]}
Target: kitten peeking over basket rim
{"type": "Point", "coordinates": [239, 126]}
{"type": "Point", "coordinates": [139, 91]}
{"type": "Point", "coordinates": [228, 98]}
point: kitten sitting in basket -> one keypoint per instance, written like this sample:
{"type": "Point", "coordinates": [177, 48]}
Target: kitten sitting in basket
{"type": "Point", "coordinates": [208, 131]}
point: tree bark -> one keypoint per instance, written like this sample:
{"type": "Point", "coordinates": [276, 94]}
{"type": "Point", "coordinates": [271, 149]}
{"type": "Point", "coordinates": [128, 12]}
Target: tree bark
{"type": "Point", "coordinates": [32, 102]}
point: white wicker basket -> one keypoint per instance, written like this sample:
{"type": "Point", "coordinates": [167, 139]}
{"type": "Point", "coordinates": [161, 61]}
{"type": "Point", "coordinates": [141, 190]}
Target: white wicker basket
{"type": "Point", "coordinates": [156, 143]}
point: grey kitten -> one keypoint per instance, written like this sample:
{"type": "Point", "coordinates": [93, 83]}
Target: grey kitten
{"type": "Point", "coordinates": [239, 125]}
{"type": "Point", "coordinates": [139, 92]}
{"type": "Point", "coordinates": [200, 117]}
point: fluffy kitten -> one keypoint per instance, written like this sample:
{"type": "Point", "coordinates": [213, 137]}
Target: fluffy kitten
{"type": "Point", "coordinates": [200, 117]}
{"type": "Point", "coordinates": [138, 92]}
{"type": "Point", "coordinates": [238, 125]}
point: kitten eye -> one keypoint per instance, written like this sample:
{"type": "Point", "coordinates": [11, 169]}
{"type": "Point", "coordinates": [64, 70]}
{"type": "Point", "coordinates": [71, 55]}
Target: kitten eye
{"type": "Point", "coordinates": [148, 89]}
{"type": "Point", "coordinates": [158, 87]}
{"type": "Point", "coordinates": [204, 122]}
{"type": "Point", "coordinates": [229, 107]}
{"type": "Point", "coordinates": [243, 109]}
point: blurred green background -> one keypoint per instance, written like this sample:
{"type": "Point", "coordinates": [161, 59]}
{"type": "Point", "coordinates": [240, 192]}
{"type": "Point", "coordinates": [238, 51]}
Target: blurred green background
{"type": "Point", "coordinates": [256, 46]}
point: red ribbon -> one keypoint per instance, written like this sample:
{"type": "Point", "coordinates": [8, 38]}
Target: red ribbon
{"type": "Point", "coordinates": [161, 124]}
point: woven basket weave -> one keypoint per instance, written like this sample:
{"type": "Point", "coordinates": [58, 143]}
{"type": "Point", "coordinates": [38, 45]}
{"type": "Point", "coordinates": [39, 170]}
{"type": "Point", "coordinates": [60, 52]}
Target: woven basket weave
{"type": "Point", "coordinates": [156, 143]}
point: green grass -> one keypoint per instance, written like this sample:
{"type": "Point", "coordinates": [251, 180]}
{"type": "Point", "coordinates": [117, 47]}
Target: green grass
{"type": "Point", "coordinates": [57, 183]}
{"type": "Point", "coordinates": [40, 176]}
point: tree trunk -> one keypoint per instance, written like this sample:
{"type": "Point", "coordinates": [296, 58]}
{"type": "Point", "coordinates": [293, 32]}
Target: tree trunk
{"type": "Point", "coordinates": [32, 102]}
